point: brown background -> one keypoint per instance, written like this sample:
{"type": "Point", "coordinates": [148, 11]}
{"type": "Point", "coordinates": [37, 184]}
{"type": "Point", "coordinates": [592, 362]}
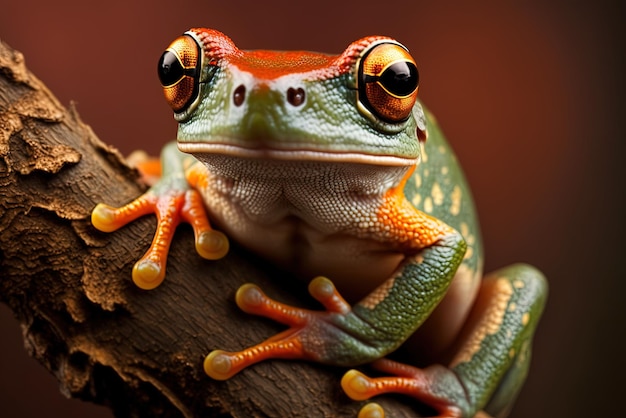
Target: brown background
{"type": "Point", "coordinates": [531, 96]}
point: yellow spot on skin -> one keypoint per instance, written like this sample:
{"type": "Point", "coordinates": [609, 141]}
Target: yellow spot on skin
{"type": "Point", "coordinates": [416, 200]}
{"type": "Point", "coordinates": [442, 149]}
{"type": "Point", "coordinates": [512, 353]}
{"type": "Point", "coordinates": [437, 194]}
{"type": "Point", "coordinates": [418, 180]}
{"type": "Point", "coordinates": [444, 170]}
{"type": "Point", "coordinates": [525, 318]}
{"type": "Point", "coordinates": [428, 205]}
{"type": "Point", "coordinates": [464, 230]}
{"type": "Point", "coordinates": [490, 322]}
{"type": "Point", "coordinates": [455, 208]}
{"type": "Point", "coordinates": [512, 307]}
{"type": "Point", "coordinates": [518, 284]}
{"type": "Point", "coordinates": [470, 239]}
{"type": "Point", "coordinates": [521, 359]}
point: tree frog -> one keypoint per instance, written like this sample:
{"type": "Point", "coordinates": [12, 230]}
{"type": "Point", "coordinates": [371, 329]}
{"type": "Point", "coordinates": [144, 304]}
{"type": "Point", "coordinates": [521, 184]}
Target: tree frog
{"type": "Point", "coordinates": [329, 166]}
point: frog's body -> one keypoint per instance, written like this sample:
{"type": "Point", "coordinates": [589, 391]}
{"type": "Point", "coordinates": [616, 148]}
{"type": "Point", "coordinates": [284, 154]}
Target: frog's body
{"type": "Point", "coordinates": [278, 221]}
{"type": "Point", "coordinates": [313, 162]}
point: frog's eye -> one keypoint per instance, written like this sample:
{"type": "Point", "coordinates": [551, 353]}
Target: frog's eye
{"type": "Point", "coordinates": [387, 82]}
{"type": "Point", "coordinates": [179, 72]}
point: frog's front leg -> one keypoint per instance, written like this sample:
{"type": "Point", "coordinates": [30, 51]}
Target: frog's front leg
{"type": "Point", "coordinates": [173, 199]}
{"type": "Point", "coordinates": [493, 353]}
{"type": "Point", "coordinates": [375, 326]}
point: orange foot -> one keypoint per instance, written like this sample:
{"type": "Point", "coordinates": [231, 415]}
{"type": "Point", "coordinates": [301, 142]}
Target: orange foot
{"type": "Point", "coordinates": [313, 335]}
{"type": "Point", "coordinates": [171, 207]}
{"type": "Point", "coordinates": [418, 383]}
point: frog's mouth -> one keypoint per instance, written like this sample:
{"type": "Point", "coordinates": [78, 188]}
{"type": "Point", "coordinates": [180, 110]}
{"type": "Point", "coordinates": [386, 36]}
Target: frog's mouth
{"type": "Point", "coordinates": [294, 154]}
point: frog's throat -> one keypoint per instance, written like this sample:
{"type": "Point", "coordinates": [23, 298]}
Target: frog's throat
{"type": "Point", "coordinates": [296, 154]}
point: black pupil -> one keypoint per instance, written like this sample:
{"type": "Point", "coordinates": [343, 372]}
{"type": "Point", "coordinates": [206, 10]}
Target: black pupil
{"type": "Point", "coordinates": [170, 69]}
{"type": "Point", "coordinates": [400, 78]}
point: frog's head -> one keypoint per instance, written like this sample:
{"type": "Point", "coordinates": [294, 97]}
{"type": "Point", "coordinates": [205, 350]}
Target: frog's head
{"type": "Point", "coordinates": [360, 106]}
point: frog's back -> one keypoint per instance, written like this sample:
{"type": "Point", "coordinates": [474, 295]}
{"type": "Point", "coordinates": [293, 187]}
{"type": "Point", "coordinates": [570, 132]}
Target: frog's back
{"type": "Point", "coordinates": [438, 188]}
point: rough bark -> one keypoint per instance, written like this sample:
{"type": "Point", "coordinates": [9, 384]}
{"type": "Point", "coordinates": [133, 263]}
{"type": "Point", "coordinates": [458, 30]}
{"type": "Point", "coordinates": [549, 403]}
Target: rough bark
{"type": "Point", "coordinates": [139, 352]}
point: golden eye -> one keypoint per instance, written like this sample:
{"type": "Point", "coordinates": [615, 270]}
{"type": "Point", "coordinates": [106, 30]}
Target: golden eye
{"type": "Point", "coordinates": [388, 82]}
{"type": "Point", "coordinates": [179, 72]}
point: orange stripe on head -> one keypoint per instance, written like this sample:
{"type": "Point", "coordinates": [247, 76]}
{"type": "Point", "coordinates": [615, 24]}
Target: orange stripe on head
{"type": "Point", "coordinates": [270, 65]}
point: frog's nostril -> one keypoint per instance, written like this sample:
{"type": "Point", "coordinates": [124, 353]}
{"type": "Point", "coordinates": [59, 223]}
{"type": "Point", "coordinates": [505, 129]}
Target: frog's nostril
{"type": "Point", "coordinates": [239, 95]}
{"type": "Point", "coordinates": [295, 97]}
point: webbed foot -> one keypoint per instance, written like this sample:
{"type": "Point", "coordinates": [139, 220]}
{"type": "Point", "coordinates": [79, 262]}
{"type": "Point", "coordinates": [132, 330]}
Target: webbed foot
{"type": "Point", "coordinates": [408, 380]}
{"type": "Point", "coordinates": [173, 201]}
{"type": "Point", "coordinates": [311, 334]}
{"type": "Point", "coordinates": [171, 208]}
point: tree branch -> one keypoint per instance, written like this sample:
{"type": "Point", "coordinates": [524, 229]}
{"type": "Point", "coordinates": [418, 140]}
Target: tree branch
{"type": "Point", "coordinates": [139, 352]}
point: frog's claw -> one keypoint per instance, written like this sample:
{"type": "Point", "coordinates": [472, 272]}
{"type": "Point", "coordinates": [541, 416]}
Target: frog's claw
{"type": "Point", "coordinates": [408, 380]}
{"type": "Point", "coordinates": [290, 344]}
{"type": "Point", "coordinates": [172, 201]}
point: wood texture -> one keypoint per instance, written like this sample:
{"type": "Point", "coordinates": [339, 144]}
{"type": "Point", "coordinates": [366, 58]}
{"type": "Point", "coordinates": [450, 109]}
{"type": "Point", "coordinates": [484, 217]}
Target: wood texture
{"type": "Point", "coordinates": [139, 352]}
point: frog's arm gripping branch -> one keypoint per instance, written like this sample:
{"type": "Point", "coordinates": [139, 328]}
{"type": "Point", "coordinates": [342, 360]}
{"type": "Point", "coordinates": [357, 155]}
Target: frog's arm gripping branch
{"type": "Point", "coordinates": [347, 336]}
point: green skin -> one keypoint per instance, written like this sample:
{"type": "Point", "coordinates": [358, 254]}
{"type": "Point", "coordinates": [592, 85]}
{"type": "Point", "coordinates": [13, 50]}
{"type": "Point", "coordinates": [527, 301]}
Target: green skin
{"type": "Point", "coordinates": [331, 123]}
{"type": "Point", "coordinates": [492, 378]}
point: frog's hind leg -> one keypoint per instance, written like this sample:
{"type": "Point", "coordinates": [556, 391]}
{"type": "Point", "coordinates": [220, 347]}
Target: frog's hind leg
{"type": "Point", "coordinates": [491, 358]}
{"type": "Point", "coordinates": [510, 385]}
{"type": "Point", "coordinates": [502, 400]}
{"type": "Point", "coordinates": [494, 349]}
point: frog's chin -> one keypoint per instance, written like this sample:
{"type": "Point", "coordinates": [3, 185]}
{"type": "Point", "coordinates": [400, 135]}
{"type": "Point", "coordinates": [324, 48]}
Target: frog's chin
{"type": "Point", "coordinates": [295, 154]}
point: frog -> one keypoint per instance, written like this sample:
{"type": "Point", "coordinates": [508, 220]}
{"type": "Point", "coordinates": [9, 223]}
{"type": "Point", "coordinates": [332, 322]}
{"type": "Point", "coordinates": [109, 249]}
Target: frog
{"type": "Point", "coordinates": [329, 167]}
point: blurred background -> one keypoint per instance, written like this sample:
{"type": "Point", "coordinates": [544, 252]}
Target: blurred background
{"type": "Point", "coordinates": [530, 94]}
